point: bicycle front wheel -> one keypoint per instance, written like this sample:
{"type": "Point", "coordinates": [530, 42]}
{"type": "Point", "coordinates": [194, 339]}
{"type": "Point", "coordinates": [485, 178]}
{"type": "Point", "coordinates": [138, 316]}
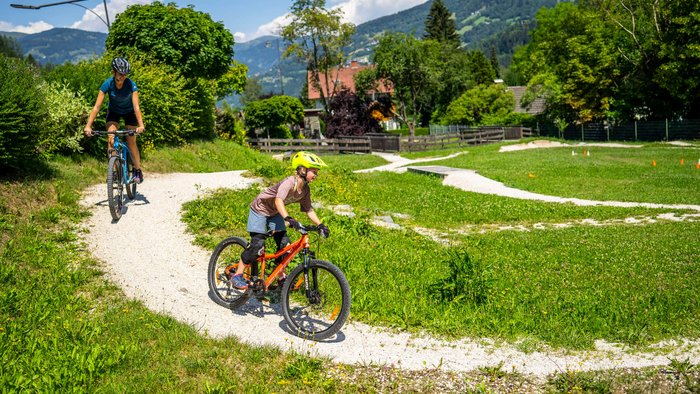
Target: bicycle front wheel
{"type": "Point", "coordinates": [222, 266]}
{"type": "Point", "coordinates": [115, 187]}
{"type": "Point", "coordinates": [316, 305]}
{"type": "Point", "coordinates": [131, 187]}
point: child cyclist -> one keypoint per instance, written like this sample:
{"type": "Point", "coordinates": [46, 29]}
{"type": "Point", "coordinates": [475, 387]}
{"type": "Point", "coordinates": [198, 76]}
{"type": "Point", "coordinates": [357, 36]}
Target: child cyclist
{"type": "Point", "coordinates": [123, 103]}
{"type": "Point", "coordinates": [268, 211]}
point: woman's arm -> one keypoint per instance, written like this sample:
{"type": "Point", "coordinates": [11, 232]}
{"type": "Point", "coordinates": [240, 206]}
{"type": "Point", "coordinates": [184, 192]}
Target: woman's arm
{"type": "Point", "coordinates": [94, 112]}
{"type": "Point", "coordinates": [137, 111]}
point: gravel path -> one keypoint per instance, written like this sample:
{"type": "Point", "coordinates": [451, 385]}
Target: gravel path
{"type": "Point", "coordinates": [163, 269]}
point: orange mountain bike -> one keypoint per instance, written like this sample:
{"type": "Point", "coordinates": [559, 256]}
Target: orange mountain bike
{"type": "Point", "coordinates": [315, 296]}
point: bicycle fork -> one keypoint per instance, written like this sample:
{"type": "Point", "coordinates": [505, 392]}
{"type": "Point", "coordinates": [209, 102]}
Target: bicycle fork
{"type": "Point", "coordinates": [310, 290]}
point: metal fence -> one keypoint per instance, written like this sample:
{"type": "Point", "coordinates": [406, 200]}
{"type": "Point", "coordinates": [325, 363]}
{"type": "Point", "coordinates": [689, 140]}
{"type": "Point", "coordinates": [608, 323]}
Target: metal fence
{"type": "Point", "coordinates": [662, 130]}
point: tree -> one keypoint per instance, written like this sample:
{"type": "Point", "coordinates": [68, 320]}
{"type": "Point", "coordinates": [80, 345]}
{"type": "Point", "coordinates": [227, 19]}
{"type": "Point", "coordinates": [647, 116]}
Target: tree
{"type": "Point", "coordinates": [10, 47]}
{"type": "Point", "coordinates": [276, 116]}
{"type": "Point", "coordinates": [234, 81]}
{"type": "Point", "coordinates": [350, 115]}
{"type": "Point", "coordinates": [615, 60]}
{"type": "Point", "coordinates": [183, 38]}
{"type": "Point", "coordinates": [494, 61]}
{"type": "Point", "coordinates": [482, 102]}
{"type": "Point", "coordinates": [22, 111]}
{"type": "Point", "coordinates": [304, 94]}
{"type": "Point", "coordinates": [457, 71]}
{"type": "Point", "coordinates": [571, 63]}
{"type": "Point", "coordinates": [680, 71]}
{"type": "Point", "coordinates": [253, 91]}
{"type": "Point", "coordinates": [440, 25]}
{"type": "Point", "coordinates": [409, 66]}
{"type": "Point", "coordinates": [318, 38]}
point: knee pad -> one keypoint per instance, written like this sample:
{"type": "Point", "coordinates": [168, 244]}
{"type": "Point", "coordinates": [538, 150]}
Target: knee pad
{"type": "Point", "coordinates": [255, 248]}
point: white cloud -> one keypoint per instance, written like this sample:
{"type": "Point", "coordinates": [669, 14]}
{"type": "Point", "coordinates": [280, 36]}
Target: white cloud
{"type": "Point", "coordinates": [33, 27]}
{"type": "Point", "coordinates": [271, 28]}
{"type": "Point", "coordinates": [360, 11]}
{"type": "Point", "coordinates": [91, 22]}
{"type": "Point", "coordinates": [239, 36]}
{"type": "Point", "coordinates": [354, 11]}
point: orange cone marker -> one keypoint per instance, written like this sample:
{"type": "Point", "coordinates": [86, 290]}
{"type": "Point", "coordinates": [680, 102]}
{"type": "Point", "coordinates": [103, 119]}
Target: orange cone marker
{"type": "Point", "coordinates": [653, 163]}
{"type": "Point", "coordinates": [697, 166]}
{"type": "Point", "coordinates": [682, 162]}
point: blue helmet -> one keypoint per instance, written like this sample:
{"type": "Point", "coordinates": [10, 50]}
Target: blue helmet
{"type": "Point", "coordinates": [121, 65]}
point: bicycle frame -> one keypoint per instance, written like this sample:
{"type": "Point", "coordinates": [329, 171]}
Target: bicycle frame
{"type": "Point", "coordinates": [299, 246]}
{"type": "Point", "coordinates": [122, 150]}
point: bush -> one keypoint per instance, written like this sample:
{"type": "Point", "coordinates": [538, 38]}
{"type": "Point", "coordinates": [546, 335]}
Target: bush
{"type": "Point", "coordinates": [509, 118]}
{"type": "Point", "coordinates": [174, 109]}
{"type": "Point", "coordinates": [66, 119]}
{"type": "Point", "coordinates": [22, 110]}
{"type": "Point", "coordinates": [203, 105]}
{"type": "Point", "coordinates": [273, 116]}
{"type": "Point", "coordinates": [83, 78]}
{"type": "Point", "coordinates": [478, 103]}
{"type": "Point", "coordinates": [349, 115]}
{"type": "Point", "coordinates": [229, 126]}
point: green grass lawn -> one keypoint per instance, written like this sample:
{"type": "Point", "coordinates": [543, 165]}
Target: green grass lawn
{"type": "Point", "coordinates": [65, 327]}
{"type": "Point", "coordinates": [618, 174]}
{"type": "Point", "coordinates": [566, 287]}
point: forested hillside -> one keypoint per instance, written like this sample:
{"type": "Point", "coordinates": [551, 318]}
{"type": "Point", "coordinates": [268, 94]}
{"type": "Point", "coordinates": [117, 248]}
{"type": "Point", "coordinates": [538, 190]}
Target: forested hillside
{"type": "Point", "coordinates": [485, 24]}
{"type": "Point", "coordinates": [478, 22]}
{"type": "Point", "coordinates": [60, 45]}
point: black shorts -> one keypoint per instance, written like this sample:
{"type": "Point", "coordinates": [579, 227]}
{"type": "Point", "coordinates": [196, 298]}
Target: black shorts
{"type": "Point", "coordinates": [129, 119]}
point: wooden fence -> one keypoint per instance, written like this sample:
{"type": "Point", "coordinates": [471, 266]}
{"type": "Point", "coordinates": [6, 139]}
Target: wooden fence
{"type": "Point", "coordinates": [391, 142]}
{"type": "Point", "coordinates": [452, 140]}
{"type": "Point", "coordinates": [335, 145]}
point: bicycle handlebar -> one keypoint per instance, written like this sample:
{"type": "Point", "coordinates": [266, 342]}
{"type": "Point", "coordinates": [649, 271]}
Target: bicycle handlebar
{"type": "Point", "coordinates": [307, 228]}
{"type": "Point", "coordinates": [116, 132]}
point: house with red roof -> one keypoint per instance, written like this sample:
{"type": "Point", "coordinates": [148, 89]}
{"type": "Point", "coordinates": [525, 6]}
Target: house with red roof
{"type": "Point", "coordinates": [342, 79]}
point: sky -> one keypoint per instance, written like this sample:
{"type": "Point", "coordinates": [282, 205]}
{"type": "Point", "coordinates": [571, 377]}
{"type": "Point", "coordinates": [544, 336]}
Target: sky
{"type": "Point", "coordinates": [245, 19]}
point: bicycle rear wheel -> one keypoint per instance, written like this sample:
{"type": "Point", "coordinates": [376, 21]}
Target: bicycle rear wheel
{"type": "Point", "coordinates": [319, 312]}
{"type": "Point", "coordinates": [131, 187]}
{"type": "Point", "coordinates": [222, 266]}
{"type": "Point", "coordinates": [115, 187]}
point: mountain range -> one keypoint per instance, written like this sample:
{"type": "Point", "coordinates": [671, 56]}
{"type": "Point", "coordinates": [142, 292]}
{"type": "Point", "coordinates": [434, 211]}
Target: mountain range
{"type": "Point", "coordinates": [482, 24]}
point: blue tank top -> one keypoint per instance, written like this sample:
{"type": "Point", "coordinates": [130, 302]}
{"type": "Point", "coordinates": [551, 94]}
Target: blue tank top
{"type": "Point", "coordinates": [119, 99]}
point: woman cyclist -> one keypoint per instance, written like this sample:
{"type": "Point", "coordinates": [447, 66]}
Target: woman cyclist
{"type": "Point", "coordinates": [123, 103]}
{"type": "Point", "coordinates": [268, 211]}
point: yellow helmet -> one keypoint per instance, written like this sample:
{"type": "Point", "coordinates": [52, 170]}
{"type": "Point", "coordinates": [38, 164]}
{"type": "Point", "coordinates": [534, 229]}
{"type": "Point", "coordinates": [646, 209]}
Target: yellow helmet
{"type": "Point", "coordinates": [307, 160]}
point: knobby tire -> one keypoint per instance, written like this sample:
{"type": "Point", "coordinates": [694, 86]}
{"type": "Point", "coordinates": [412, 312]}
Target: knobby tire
{"type": "Point", "coordinates": [115, 187]}
{"type": "Point", "coordinates": [321, 313]}
{"type": "Point", "coordinates": [226, 254]}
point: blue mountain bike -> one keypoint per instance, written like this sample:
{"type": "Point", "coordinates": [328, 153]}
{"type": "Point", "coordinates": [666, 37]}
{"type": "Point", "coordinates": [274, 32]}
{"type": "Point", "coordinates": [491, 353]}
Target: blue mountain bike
{"type": "Point", "coordinates": [120, 173]}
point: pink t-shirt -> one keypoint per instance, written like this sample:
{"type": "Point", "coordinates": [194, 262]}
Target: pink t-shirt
{"type": "Point", "coordinates": [264, 203]}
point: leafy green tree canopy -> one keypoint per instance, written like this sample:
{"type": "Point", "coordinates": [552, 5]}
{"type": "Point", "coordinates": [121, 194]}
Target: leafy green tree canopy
{"type": "Point", "coordinates": [274, 116]}
{"type": "Point", "coordinates": [409, 66]}
{"type": "Point", "coordinates": [318, 37]}
{"type": "Point", "coordinates": [440, 25]}
{"type": "Point", "coordinates": [22, 110]}
{"type": "Point", "coordinates": [183, 38]}
{"type": "Point", "coordinates": [10, 47]}
{"type": "Point", "coordinates": [481, 102]}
